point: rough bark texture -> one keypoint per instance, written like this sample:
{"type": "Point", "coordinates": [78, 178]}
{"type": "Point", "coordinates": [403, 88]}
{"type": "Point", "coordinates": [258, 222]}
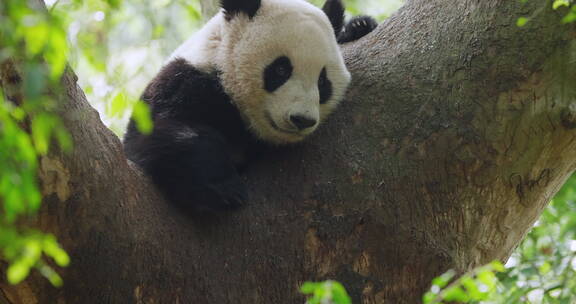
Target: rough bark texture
{"type": "Point", "coordinates": [457, 131]}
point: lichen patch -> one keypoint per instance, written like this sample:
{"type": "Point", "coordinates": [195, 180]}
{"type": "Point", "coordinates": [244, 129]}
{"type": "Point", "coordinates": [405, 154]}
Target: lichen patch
{"type": "Point", "coordinates": [55, 178]}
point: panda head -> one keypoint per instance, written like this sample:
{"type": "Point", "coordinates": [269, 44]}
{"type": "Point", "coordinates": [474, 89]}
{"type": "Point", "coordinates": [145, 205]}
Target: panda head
{"type": "Point", "coordinates": [280, 63]}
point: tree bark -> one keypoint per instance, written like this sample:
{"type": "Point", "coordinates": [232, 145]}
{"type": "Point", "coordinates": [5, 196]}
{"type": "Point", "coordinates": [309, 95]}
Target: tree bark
{"type": "Point", "coordinates": [458, 129]}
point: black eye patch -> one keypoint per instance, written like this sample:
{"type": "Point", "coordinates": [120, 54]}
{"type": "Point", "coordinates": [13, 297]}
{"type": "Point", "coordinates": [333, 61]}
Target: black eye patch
{"type": "Point", "coordinates": [324, 87]}
{"type": "Point", "coordinates": [277, 73]}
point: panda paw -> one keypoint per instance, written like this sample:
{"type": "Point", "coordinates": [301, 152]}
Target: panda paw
{"type": "Point", "coordinates": [215, 197]}
{"type": "Point", "coordinates": [357, 28]}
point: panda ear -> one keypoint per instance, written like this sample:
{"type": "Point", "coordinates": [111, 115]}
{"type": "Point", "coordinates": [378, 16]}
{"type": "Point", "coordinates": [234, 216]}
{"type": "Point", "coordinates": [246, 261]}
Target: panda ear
{"type": "Point", "coordinates": [334, 9]}
{"type": "Point", "coordinates": [235, 7]}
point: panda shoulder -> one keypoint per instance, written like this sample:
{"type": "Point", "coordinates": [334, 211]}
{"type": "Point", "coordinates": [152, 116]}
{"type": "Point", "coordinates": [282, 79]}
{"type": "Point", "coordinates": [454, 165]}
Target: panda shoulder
{"type": "Point", "coordinates": [178, 80]}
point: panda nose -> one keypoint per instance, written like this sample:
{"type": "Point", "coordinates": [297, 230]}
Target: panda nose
{"type": "Point", "coordinates": [302, 122]}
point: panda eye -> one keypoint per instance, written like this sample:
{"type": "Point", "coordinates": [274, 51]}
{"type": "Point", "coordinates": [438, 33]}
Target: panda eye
{"type": "Point", "coordinates": [322, 79]}
{"type": "Point", "coordinates": [277, 73]}
{"type": "Point", "coordinates": [281, 71]}
{"type": "Point", "coordinates": [324, 87]}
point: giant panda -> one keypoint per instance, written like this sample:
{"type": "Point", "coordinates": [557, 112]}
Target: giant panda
{"type": "Point", "coordinates": [259, 73]}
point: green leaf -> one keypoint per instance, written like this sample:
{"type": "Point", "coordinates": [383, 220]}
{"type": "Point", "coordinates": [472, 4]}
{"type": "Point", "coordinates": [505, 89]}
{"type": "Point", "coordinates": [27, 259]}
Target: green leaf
{"type": "Point", "coordinates": [53, 249]}
{"type": "Point", "coordinates": [158, 31]}
{"type": "Point", "coordinates": [35, 82]}
{"type": "Point", "coordinates": [456, 293]}
{"type": "Point", "coordinates": [42, 125]}
{"type": "Point", "coordinates": [32, 194]}
{"type": "Point", "coordinates": [545, 268]}
{"type": "Point", "coordinates": [114, 3]}
{"type": "Point", "coordinates": [497, 266]}
{"type": "Point", "coordinates": [52, 276]}
{"type": "Point", "coordinates": [559, 3]}
{"type": "Point", "coordinates": [13, 203]}
{"type": "Point", "coordinates": [25, 147]}
{"type": "Point", "coordinates": [141, 115]}
{"type": "Point", "coordinates": [571, 17]}
{"type": "Point", "coordinates": [326, 292]}
{"type": "Point", "coordinates": [17, 113]}
{"type": "Point", "coordinates": [308, 287]}
{"type": "Point", "coordinates": [57, 53]}
{"type": "Point", "coordinates": [339, 294]}
{"type": "Point", "coordinates": [32, 251]}
{"type": "Point", "coordinates": [488, 278]}
{"type": "Point", "coordinates": [17, 272]}
{"type": "Point", "coordinates": [193, 11]}
{"type": "Point", "coordinates": [36, 37]}
{"type": "Point", "coordinates": [443, 279]}
{"type": "Point", "coordinates": [471, 287]}
{"type": "Point", "coordinates": [521, 21]}
{"type": "Point", "coordinates": [118, 105]}
{"type": "Point", "coordinates": [428, 297]}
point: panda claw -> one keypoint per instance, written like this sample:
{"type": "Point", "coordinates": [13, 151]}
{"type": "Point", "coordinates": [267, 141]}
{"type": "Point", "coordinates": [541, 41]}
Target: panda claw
{"type": "Point", "coordinates": [357, 28]}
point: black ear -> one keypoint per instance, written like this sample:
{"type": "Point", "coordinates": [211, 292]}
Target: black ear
{"type": "Point", "coordinates": [334, 9]}
{"type": "Point", "coordinates": [235, 7]}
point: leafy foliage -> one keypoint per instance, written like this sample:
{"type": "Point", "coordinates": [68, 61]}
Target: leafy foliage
{"type": "Point", "coordinates": [571, 15]}
{"type": "Point", "coordinates": [543, 267]}
{"type": "Point", "coordinates": [38, 41]}
{"type": "Point", "coordinates": [478, 285]}
{"type": "Point", "coordinates": [28, 124]}
{"type": "Point", "coordinates": [327, 292]}
{"type": "Point", "coordinates": [117, 50]}
{"type": "Point", "coordinates": [556, 5]}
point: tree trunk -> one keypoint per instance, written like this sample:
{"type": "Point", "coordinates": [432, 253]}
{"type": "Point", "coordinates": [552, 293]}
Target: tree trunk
{"type": "Point", "coordinates": [457, 130]}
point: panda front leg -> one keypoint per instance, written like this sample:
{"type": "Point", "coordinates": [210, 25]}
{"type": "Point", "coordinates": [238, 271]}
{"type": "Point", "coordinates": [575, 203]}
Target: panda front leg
{"type": "Point", "coordinates": [357, 28]}
{"type": "Point", "coordinates": [192, 167]}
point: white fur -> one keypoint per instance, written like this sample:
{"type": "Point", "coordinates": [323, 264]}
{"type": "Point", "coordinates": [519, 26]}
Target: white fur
{"type": "Point", "coordinates": [242, 47]}
{"type": "Point", "coordinates": [201, 48]}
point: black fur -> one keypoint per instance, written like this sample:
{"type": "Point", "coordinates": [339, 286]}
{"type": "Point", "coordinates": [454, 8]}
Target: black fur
{"type": "Point", "coordinates": [277, 73]}
{"type": "Point", "coordinates": [334, 9]}
{"type": "Point", "coordinates": [195, 128]}
{"type": "Point", "coordinates": [235, 7]}
{"type": "Point", "coordinates": [324, 87]}
{"type": "Point", "coordinates": [357, 28]}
